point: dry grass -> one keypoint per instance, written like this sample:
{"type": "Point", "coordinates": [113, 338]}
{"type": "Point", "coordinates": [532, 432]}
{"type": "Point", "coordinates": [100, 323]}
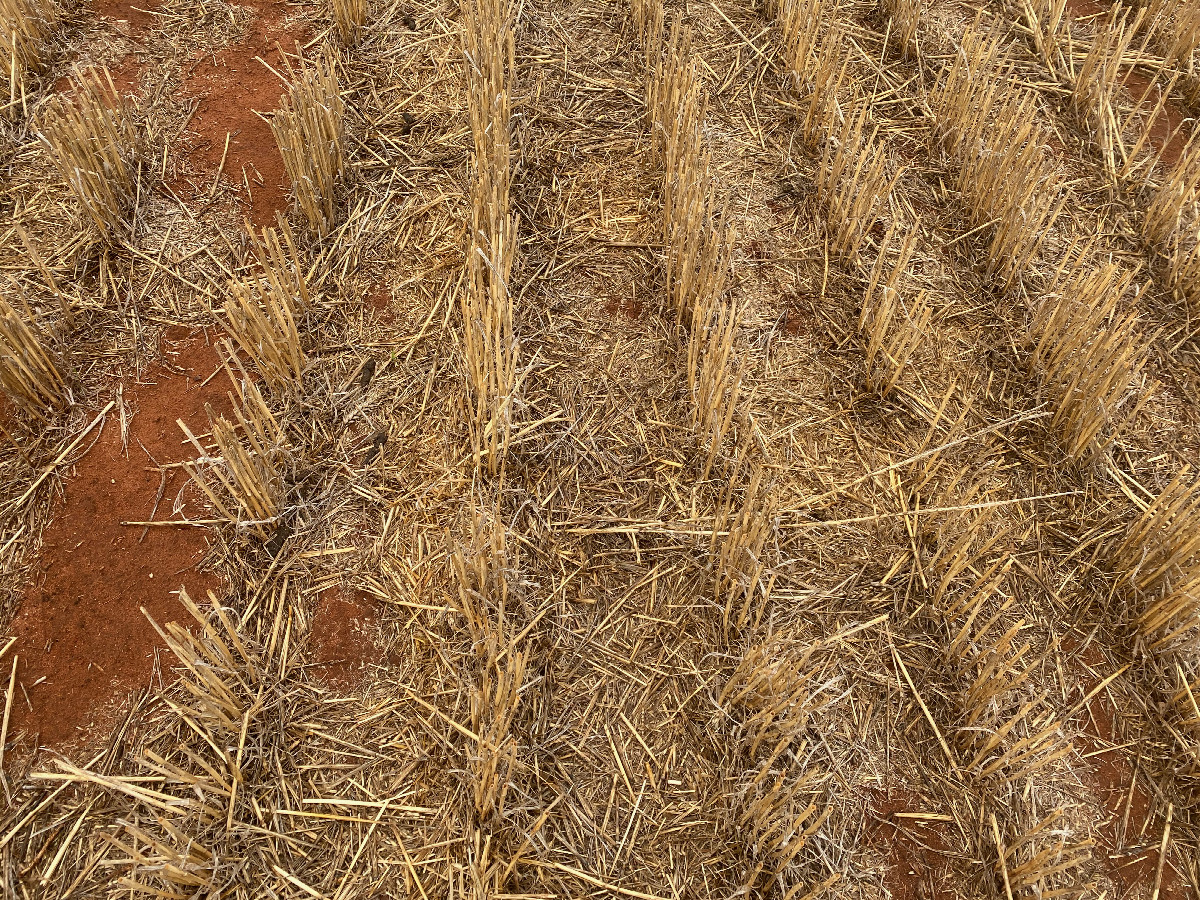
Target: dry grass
{"type": "Point", "coordinates": [310, 131]}
{"type": "Point", "coordinates": [775, 693]}
{"type": "Point", "coordinates": [648, 21]}
{"type": "Point", "coordinates": [261, 311]}
{"type": "Point", "coordinates": [92, 142]}
{"type": "Point", "coordinates": [243, 480]}
{"type": "Point", "coordinates": [349, 17]}
{"type": "Point", "coordinates": [24, 25]}
{"type": "Point", "coordinates": [739, 556]}
{"type": "Point", "coordinates": [1160, 550]}
{"type": "Point", "coordinates": [817, 59]}
{"type": "Point", "coordinates": [276, 252]}
{"type": "Point", "coordinates": [735, 629]}
{"type": "Point", "coordinates": [1094, 95]}
{"type": "Point", "coordinates": [1175, 26]}
{"type": "Point", "coordinates": [854, 181]}
{"type": "Point", "coordinates": [490, 346]}
{"type": "Point", "coordinates": [698, 245]}
{"type": "Point", "coordinates": [1005, 174]}
{"type": "Point", "coordinates": [1087, 355]}
{"type": "Point", "coordinates": [893, 331]}
{"type": "Point", "coordinates": [1048, 23]}
{"type": "Point", "coordinates": [28, 373]}
{"type": "Point", "coordinates": [263, 323]}
{"type": "Point", "coordinates": [904, 18]}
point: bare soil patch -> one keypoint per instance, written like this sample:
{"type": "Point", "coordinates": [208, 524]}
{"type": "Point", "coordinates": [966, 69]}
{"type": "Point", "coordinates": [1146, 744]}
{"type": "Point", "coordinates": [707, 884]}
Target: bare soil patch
{"type": "Point", "coordinates": [1129, 835]}
{"type": "Point", "coordinates": [1169, 132]}
{"type": "Point", "coordinates": [917, 849]}
{"type": "Point", "coordinates": [344, 636]}
{"type": "Point", "coordinates": [236, 86]}
{"type": "Point", "coordinates": [126, 76]}
{"type": "Point", "coordinates": [137, 14]}
{"type": "Point", "coordinates": [83, 640]}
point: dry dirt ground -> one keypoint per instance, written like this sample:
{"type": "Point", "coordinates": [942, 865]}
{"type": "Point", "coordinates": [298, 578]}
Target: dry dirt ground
{"type": "Point", "coordinates": [329, 719]}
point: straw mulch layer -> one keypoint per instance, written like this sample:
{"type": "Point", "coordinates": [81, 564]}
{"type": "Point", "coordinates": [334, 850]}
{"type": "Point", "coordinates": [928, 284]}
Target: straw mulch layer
{"type": "Point", "coordinates": [622, 450]}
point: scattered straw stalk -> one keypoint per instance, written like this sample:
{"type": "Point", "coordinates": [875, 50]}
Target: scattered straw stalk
{"type": "Point", "coordinates": [310, 132]}
{"type": "Point", "coordinates": [91, 140]}
{"type": "Point", "coordinates": [489, 343]}
{"type": "Point", "coordinates": [28, 372]}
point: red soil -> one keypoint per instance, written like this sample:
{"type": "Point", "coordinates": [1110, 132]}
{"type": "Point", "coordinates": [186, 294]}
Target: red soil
{"type": "Point", "coordinates": [1130, 863]}
{"type": "Point", "coordinates": [629, 307]}
{"type": "Point", "coordinates": [80, 625]}
{"type": "Point", "coordinates": [234, 89]}
{"type": "Point", "coordinates": [136, 12]}
{"type": "Point", "coordinates": [917, 849]}
{"type": "Point", "coordinates": [1163, 133]}
{"type": "Point", "coordinates": [1080, 9]}
{"type": "Point", "coordinates": [380, 301]}
{"type": "Point", "coordinates": [799, 314]}
{"type": "Point", "coordinates": [343, 637]}
{"type": "Point", "coordinates": [125, 77]}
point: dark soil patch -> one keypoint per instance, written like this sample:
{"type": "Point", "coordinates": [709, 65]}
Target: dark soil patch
{"type": "Point", "coordinates": [343, 636]}
{"type": "Point", "coordinates": [235, 87]}
{"type": "Point", "coordinates": [798, 317]}
{"type": "Point", "coordinates": [82, 637]}
{"type": "Point", "coordinates": [917, 849]}
{"type": "Point", "coordinates": [138, 14]}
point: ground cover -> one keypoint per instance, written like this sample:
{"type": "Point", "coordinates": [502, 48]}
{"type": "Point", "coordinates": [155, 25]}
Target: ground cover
{"type": "Point", "coordinates": [557, 448]}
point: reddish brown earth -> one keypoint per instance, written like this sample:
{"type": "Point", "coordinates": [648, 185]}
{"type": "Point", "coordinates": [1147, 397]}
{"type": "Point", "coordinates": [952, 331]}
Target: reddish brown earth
{"type": "Point", "coordinates": [234, 87]}
{"type": "Point", "coordinates": [1168, 133]}
{"type": "Point", "coordinates": [917, 850]}
{"type": "Point", "coordinates": [379, 301]}
{"type": "Point", "coordinates": [1131, 862]}
{"type": "Point", "coordinates": [799, 317]}
{"type": "Point", "coordinates": [343, 637]}
{"type": "Point", "coordinates": [1080, 9]}
{"type": "Point", "coordinates": [82, 638]}
{"type": "Point", "coordinates": [125, 77]}
{"type": "Point", "coordinates": [626, 306]}
{"type": "Point", "coordinates": [137, 13]}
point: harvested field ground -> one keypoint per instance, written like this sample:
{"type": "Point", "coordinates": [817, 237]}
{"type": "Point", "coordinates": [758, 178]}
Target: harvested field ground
{"type": "Point", "coordinates": [582, 448]}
